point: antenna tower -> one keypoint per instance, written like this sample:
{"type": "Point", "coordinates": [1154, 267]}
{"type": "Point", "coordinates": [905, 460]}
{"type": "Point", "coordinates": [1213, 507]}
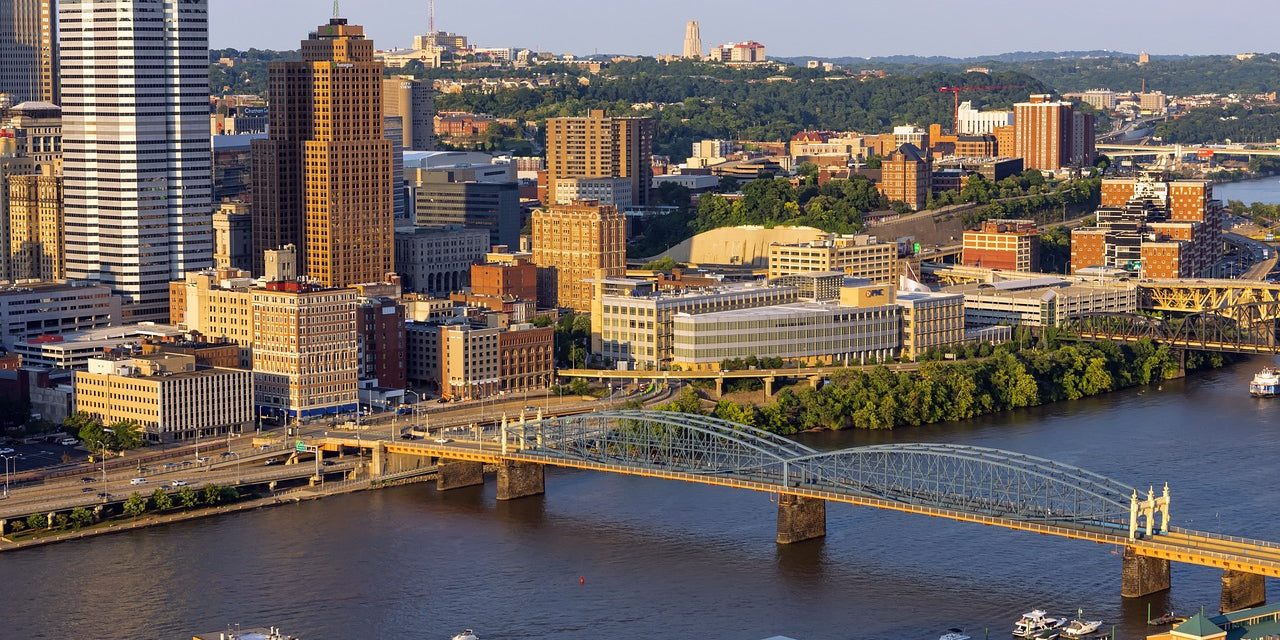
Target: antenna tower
{"type": "Point", "coordinates": [431, 17]}
{"type": "Point", "coordinates": [335, 9]}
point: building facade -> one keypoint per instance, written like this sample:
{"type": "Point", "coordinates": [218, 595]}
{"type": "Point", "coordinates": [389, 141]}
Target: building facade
{"type": "Point", "coordinates": [413, 101]}
{"type": "Point", "coordinates": [930, 321]}
{"type": "Point", "coordinates": [437, 260]}
{"type": "Point", "coordinates": [598, 146]}
{"type": "Point", "coordinates": [380, 342]}
{"type": "Point", "coordinates": [1041, 302]}
{"type": "Point", "coordinates": [29, 311]}
{"type": "Point", "coordinates": [805, 333]}
{"type": "Point", "coordinates": [323, 180]}
{"type": "Point", "coordinates": [304, 350]}
{"type": "Point", "coordinates": [136, 146]}
{"type": "Point", "coordinates": [216, 303]}
{"type": "Point", "coordinates": [692, 41]}
{"type": "Point", "coordinates": [906, 176]}
{"type": "Point", "coordinates": [858, 256]}
{"type": "Point", "coordinates": [233, 237]}
{"type": "Point", "coordinates": [29, 51]}
{"type": "Point", "coordinates": [573, 244]}
{"type": "Point", "coordinates": [445, 198]}
{"type": "Point", "coordinates": [1011, 245]}
{"type": "Point", "coordinates": [36, 223]}
{"type": "Point", "coordinates": [1050, 135]}
{"type": "Point", "coordinates": [167, 395]}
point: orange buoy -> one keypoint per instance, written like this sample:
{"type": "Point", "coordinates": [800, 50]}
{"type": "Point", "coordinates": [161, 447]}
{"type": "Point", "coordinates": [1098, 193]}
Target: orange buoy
{"type": "Point", "coordinates": [582, 579]}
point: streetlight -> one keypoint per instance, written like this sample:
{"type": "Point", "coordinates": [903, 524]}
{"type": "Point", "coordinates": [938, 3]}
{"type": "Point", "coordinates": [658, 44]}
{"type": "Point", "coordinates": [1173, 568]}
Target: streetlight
{"type": "Point", "coordinates": [7, 472]}
{"type": "Point", "coordinates": [104, 457]}
{"type": "Point", "coordinates": [414, 409]}
{"type": "Point", "coordinates": [237, 457]}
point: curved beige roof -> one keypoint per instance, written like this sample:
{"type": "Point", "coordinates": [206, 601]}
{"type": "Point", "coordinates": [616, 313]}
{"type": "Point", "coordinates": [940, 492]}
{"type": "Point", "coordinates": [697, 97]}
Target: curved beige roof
{"type": "Point", "coordinates": [745, 246]}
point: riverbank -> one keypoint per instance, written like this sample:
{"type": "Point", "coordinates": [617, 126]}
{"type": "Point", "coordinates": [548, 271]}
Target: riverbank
{"type": "Point", "coordinates": [996, 379]}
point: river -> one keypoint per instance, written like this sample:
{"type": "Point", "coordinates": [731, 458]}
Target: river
{"type": "Point", "coordinates": [1266, 190]}
{"type": "Point", "coordinates": [666, 559]}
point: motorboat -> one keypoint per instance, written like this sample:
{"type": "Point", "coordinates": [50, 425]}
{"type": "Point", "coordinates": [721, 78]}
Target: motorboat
{"type": "Point", "coordinates": [467, 634]}
{"type": "Point", "coordinates": [1035, 622]}
{"type": "Point", "coordinates": [954, 633]}
{"type": "Point", "coordinates": [1077, 627]}
{"type": "Point", "coordinates": [1265, 383]}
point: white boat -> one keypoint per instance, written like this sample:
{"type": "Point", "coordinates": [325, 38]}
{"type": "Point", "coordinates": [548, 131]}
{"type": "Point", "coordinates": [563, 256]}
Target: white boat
{"type": "Point", "coordinates": [467, 634]}
{"type": "Point", "coordinates": [1078, 627]}
{"type": "Point", "coordinates": [955, 633]}
{"type": "Point", "coordinates": [1265, 383]}
{"type": "Point", "coordinates": [1035, 622]}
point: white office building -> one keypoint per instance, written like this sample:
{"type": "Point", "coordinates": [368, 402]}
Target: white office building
{"type": "Point", "coordinates": [971, 122]}
{"type": "Point", "coordinates": [138, 164]}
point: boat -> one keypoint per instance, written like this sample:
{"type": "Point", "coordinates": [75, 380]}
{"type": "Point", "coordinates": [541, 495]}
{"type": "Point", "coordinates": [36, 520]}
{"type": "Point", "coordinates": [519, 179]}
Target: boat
{"type": "Point", "coordinates": [1167, 618]}
{"type": "Point", "coordinates": [1047, 634]}
{"type": "Point", "coordinates": [1035, 622]}
{"type": "Point", "coordinates": [954, 633]}
{"type": "Point", "coordinates": [1077, 627]}
{"type": "Point", "coordinates": [467, 634]}
{"type": "Point", "coordinates": [1265, 383]}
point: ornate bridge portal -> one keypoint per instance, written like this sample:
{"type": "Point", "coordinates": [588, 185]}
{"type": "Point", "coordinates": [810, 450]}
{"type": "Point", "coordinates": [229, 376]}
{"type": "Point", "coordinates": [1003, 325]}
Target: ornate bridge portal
{"type": "Point", "coordinates": [971, 484]}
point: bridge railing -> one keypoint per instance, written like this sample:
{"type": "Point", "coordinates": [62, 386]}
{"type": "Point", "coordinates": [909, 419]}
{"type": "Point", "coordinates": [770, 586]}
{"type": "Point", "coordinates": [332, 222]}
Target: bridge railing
{"type": "Point", "coordinates": [1225, 537]}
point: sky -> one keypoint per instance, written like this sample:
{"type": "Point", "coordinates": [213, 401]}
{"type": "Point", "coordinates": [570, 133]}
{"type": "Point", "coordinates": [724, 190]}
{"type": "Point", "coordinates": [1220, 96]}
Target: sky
{"type": "Point", "coordinates": [835, 28]}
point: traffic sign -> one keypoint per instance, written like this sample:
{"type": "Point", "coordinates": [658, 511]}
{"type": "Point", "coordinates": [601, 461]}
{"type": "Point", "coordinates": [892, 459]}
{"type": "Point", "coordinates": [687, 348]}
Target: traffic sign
{"type": "Point", "coordinates": [300, 446]}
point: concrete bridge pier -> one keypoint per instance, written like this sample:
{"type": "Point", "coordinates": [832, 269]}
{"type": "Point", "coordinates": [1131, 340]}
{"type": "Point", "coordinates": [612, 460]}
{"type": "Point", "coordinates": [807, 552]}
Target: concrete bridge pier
{"type": "Point", "coordinates": [1142, 575]}
{"type": "Point", "coordinates": [520, 479]}
{"type": "Point", "coordinates": [800, 518]}
{"type": "Point", "coordinates": [768, 385]}
{"type": "Point", "coordinates": [719, 388]}
{"type": "Point", "coordinates": [815, 381]}
{"type": "Point", "coordinates": [1242, 590]}
{"type": "Point", "coordinates": [456, 474]}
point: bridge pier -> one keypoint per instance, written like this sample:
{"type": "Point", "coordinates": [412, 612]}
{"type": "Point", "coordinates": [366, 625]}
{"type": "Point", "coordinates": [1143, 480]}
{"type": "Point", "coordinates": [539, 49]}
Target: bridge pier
{"type": "Point", "coordinates": [719, 388]}
{"type": "Point", "coordinates": [800, 518]}
{"type": "Point", "coordinates": [456, 474]}
{"type": "Point", "coordinates": [1142, 575]}
{"type": "Point", "coordinates": [520, 479]}
{"type": "Point", "coordinates": [378, 460]}
{"type": "Point", "coordinates": [768, 385]}
{"type": "Point", "coordinates": [815, 381]}
{"type": "Point", "coordinates": [1242, 590]}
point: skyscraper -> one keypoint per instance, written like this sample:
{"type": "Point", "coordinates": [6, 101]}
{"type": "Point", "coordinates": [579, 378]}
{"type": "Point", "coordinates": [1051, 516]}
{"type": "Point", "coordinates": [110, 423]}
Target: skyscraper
{"type": "Point", "coordinates": [692, 41]}
{"type": "Point", "coordinates": [321, 181]}
{"type": "Point", "coordinates": [29, 50]}
{"type": "Point", "coordinates": [135, 134]}
{"type": "Point", "coordinates": [598, 146]}
{"type": "Point", "coordinates": [1050, 135]}
{"type": "Point", "coordinates": [414, 101]}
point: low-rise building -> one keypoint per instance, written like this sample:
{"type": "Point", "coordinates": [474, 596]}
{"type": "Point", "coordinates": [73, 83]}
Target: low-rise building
{"type": "Point", "coordinates": [858, 256]}
{"type": "Point", "coordinates": [380, 342]}
{"type": "Point", "coordinates": [1042, 302]}
{"type": "Point", "coordinates": [167, 395]}
{"type": "Point", "coordinates": [437, 260]}
{"type": "Point", "coordinates": [1012, 245]}
{"type": "Point", "coordinates": [930, 321]}
{"type": "Point", "coordinates": [31, 310]}
{"type": "Point", "coordinates": [74, 350]}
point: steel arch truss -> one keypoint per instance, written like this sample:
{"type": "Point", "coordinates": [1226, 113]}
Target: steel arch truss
{"type": "Point", "coordinates": [1246, 328]}
{"type": "Point", "coordinates": [971, 480]}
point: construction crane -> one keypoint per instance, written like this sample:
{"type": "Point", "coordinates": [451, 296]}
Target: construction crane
{"type": "Point", "coordinates": [955, 92]}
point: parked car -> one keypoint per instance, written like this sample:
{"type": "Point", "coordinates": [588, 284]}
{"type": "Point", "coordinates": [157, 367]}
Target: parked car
{"type": "Point", "coordinates": [68, 442]}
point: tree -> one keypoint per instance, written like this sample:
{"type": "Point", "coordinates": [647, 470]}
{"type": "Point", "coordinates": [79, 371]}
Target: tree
{"type": "Point", "coordinates": [135, 506]}
{"type": "Point", "coordinates": [81, 517]}
{"type": "Point", "coordinates": [187, 497]}
{"type": "Point", "coordinates": [37, 521]}
{"type": "Point", "coordinates": [127, 435]}
{"type": "Point", "coordinates": [666, 263]}
{"type": "Point", "coordinates": [212, 494]}
{"type": "Point", "coordinates": [161, 500]}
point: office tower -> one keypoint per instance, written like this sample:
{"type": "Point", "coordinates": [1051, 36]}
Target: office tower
{"type": "Point", "coordinates": [137, 159]}
{"type": "Point", "coordinates": [598, 146]}
{"type": "Point", "coordinates": [391, 130]}
{"type": "Point", "coordinates": [35, 227]}
{"type": "Point", "coordinates": [29, 51]}
{"type": "Point", "coordinates": [455, 197]}
{"type": "Point", "coordinates": [321, 180]}
{"type": "Point", "coordinates": [573, 244]}
{"type": "Point", "coordinates": [413, 100]}
{"type": "Point", "coordinates": [692, 41]}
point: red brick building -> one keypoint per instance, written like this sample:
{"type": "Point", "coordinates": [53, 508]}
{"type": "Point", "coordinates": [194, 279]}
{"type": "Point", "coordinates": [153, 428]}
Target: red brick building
{"type": "Point", "coordinates": [380, 342]}
{"type": "Point", "coordinates": [1011, 245]}
{"type": "Point", "coordinates": [906, 176]}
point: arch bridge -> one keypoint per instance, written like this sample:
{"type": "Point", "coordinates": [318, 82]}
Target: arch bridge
{"type": "Point", "coordinates": [958, 482]}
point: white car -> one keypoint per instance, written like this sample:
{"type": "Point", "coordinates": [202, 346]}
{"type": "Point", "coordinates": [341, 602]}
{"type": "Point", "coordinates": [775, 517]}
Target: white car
{"type": "Point", "coordinates": [179, 483]}
{"type": "Point", "coordinates": [444, 440]}
{"type": "Point", "coordinates": [138, 481]}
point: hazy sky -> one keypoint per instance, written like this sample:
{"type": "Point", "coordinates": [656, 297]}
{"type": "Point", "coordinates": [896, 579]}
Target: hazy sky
{"type": "Point", "coordinates": [833, 28]}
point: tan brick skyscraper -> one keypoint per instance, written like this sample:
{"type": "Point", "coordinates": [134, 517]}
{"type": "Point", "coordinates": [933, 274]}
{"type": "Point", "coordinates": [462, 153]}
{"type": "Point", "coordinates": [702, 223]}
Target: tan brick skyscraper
{"type": "Point", "coordinates": [575, 243]}
{"type": "Point", "coordinates": [321, 180]}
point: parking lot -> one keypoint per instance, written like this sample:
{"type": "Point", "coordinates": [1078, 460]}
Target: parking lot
{"type": "Point", "coordinates": [35, 456]}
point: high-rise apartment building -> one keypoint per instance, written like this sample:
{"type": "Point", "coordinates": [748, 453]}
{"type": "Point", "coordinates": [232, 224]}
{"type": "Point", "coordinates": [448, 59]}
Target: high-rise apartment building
{"type": "Point", "coordinates": [1049, 135]}
{"type": "Point", "coordinates": [599, 146]}
{"type": "Point", "coordinates": [321, 180]}
{"type": "Point", "coordinates": [692, 41]}
{"type": "Point", "coordinates": [414, 102]}
{"type": "Point", "coordinates": [573, 244]}
{"type": "Point", "coordinates": [29, 50]}
{"type": "Point", "coordinates": [136, 148]}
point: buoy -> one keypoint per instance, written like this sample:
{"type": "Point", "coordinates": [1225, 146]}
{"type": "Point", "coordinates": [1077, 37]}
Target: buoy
{"type": "Point", "coordinates": [582, 579]}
